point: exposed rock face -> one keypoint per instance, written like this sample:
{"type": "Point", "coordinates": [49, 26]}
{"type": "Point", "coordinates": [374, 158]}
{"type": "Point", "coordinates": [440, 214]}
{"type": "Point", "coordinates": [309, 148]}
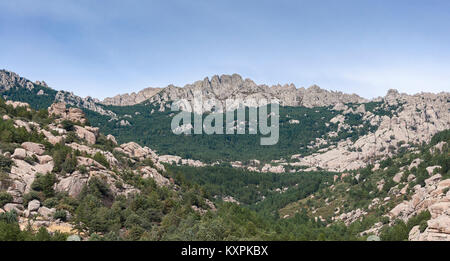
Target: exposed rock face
{"type": "Point", "coordinates": [9, 80]}
{"type": "Point", "coordinates": [315, 96]}
{"type": "Point", "coordinates": [134, 150]}
{"type": "Point", "coordinates": [88, 134]}
{"type": "Point", "coordinates": [160, 180]}
{"type": "Point", "coordinates": [42, 83]}
{"type": "Point", "coordinates": [23, 174]}
{"type": "Point", "coordinates": [72, 114]}
{"type": "Point", "coordinates": [221, 88]}
{"type": "Point", "coordinates": [86, 103]}
{"type": "Point", "coordinates": [351, 216]}
{"type": "Point", "coordinates": [47, 212]}
{"type": "Point", "coordinates": [273, 169]}
{"type": "Point", "coordinates": [202, 211]}
{"type": "Point", "coordinates": [13, 207]}
{"type": "Point", "coordinates": [30, 160]}
{"type": "Point", "coordinates": [435, 198]}
{"type": "Point", "coordinates": [33, 205]}
{"type": "Point", "coordinates": [92, 151]}
{"type": "Point", "coordinates": [19, 154]}
{"type": "Point", "coordinates": [36, 148]}
{"type": "Point", "coordinates": [111, 138]}
{"type": "Point", "coordinates": [16, 104]}
{"type": "Point", "coordinates": [52, 138]}
{"type": "Point", "coordinates": [133, 98]}
{"type": "Point", "coordinates": [180, 161]}
{"type": "Point", "coordinates": [72, 184]}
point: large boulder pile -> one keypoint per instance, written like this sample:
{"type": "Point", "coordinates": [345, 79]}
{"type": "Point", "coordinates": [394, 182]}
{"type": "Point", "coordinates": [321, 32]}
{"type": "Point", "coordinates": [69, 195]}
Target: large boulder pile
{"type": "Point", "coordinates": [71, 114]}
{"type": "Point", "coordinates": [433, 197]}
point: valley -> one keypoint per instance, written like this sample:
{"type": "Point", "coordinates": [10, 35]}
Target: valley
{"type": "Point", "coordinates": [345, 167]}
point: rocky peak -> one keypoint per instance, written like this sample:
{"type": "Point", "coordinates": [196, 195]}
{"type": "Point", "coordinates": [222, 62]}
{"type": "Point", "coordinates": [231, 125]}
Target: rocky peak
{"type": "Point", "coordinates": [315, 96]}
{"type": "Point", "coordinates": [42, 83]}
{"type": "Point", "coordinates": [392, 96]}
{"type": "Point", "coordinates": [132, 98]}
{"type": "Point", "coordinates": [72, 114]}
{"type": "Point", "coordinates": [89, 103]}
{"type": "Point", "coordinates": [235, 86]}
{"type": "Point", "coordinates": [10, 80]}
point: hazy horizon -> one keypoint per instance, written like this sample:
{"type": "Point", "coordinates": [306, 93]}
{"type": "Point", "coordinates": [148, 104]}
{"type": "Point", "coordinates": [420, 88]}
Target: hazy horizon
{"type": "Point", "coordinates": [98, 50]}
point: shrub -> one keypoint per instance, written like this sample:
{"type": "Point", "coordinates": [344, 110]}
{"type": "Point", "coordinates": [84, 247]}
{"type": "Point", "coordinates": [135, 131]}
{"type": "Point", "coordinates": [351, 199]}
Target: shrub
{"type": "Point", "coordinates": [50, 202]}
{"type": "Point", "coordinates": [5, 163]}
{"type": "Point", "coordinates": [68, 125]}
{"type": "Point", "coordinates": [71, 137]}
{"type": "Point", "coordinates": [43, 235]}
{"type": "Point", "coordinates": [44, 183]}
{"type": "Point", "coordinates": [82, 169]}
{"type": "Point", "coordinates": [9, 231]}
{"type": "Point", "coordinates": [103, 143]}
{"type": "Point", "coordinates": [8, 217]}
{"type": "Point", "coordinates": [5, 181]}
{"type": "Point", "coordinates": [100, 158]}
{"type": "Point", "coordinates": [64, 160]}
{"type": "Point", "coordinates": [423, 225]}
{"type": "Point", "coordinates": [31, 196]}
{"type": "Point", "coordinates": [398, 232]}
{"type": "Point", "coordinates": [60, 214]}
{"type": "Point", "coordinates": [5, 198]}
{"type": "Point", "coordinates": [384, 220]}
{"type": "Point", "coordinates": [420, 219]}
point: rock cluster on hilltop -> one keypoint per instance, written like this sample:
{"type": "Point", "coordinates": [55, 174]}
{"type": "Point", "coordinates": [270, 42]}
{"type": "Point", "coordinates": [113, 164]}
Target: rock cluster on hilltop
{"type": "Point", "coordinates": [85, 103]}
{"type": "Point", "coordinates": [314, 96]}
{"type": "Point", "coordinates": [10, 80]}
{"type": "Point", "coordinates": [235, 87]}
{"type": "Point", "coordinates": [71, 114]}
{"type": "Point", "coordinates": [132, 98]}
{"type": "Point", "coordinates": [434, 197]}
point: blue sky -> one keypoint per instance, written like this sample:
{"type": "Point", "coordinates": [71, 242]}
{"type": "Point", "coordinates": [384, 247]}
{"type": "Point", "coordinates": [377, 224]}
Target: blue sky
{"type": "Point", "coordinates": [102, 48]}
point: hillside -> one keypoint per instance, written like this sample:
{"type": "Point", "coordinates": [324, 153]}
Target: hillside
{"type": "Point", "coordinates": [61, 177]}
{"type": "Point", "coordinates": [320, 130]}
{"type": "Point", "coordinates": [401, 198]}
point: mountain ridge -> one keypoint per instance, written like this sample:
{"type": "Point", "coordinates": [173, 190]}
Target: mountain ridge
{"type": "Point", "coordinates": [309, 97]}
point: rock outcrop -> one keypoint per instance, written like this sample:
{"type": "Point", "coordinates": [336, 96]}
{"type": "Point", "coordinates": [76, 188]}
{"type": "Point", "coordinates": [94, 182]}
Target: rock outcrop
{"type": "Point", "coordinates": [433, 197]}
{"type": "Point", "coordinates": [71, 114]}
{"type": "Point", "coordinates": [16, 104]}
{"type": "Point", "coordinates": [87, 133]}
{"type": "Point", "coordinates": [132, 98]}
{"type": "Point", "coordinates": [9, 80]}
{"type": "Point", "coordinates": [35, 148]}
{"type": "Point", "coordinates": [235, 87]}
{"type": "Point", "coordinates": [85, 103]}
{"type": "Point", "coordinates": [135, 151]}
